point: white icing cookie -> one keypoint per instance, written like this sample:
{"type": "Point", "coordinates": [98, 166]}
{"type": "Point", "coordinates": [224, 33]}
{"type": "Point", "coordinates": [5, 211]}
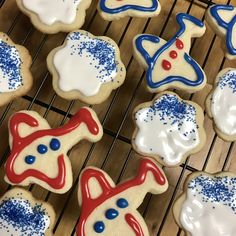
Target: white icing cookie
{"type": "Point", "coordinates": [21, 214]}
{"type": "Point", "coordinates": [168, 63]}
{"type": "Point", "coordinates": [15, 75]}
{"type": "Point", "coordinates": [108, 209]}
{"type": "Point", "coordinates": [222, 19]}
{"type": "Point", "coordinates": [55, 15]}
{"type": "Point", "coordinates": [207, 206]}
{"type": "Point", "coordinates": [39, 153]}
{"type": "Point", "coordinates": [86, 67]}
{"type": "Point", "coordinates": [168, 129]}
{"type": "Point", "coordinates": [116, 9]}
{"type": "Point", "coordinates": [221, 104]}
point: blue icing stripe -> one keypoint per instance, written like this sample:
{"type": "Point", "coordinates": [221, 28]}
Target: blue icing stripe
{"type": "Point", "coordinates": [97, 49]}
{"type": "Point", "coordinates": [229, 80]}
{"type": "Point", "coordinates": [151, 61]}
{"type": "Point", "coordinates": [10, 65]}
{"type": "Point", "coordinates": [219, 189]}
{"type": "Point", "coordinates": [170, 109]}
{"type": "Point", "coordinates": [127, 7]}
{"type": "Point", "coordinates": [16, 213]}
{"type": "Point", "coordinates": [227, 26]}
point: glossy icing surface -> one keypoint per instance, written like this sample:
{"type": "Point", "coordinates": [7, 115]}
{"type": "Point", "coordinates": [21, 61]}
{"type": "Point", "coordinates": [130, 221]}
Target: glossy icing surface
{"type": "Point", "coordinates": [209, 209]}
{"type": "Point", "coordinates": [223, 103]}
{"type": "Point", "coordinates": [118, 6]}
{"type": "Point", "coordinates": [167, 128]}
{"type": "Point", "coordinates": [10, 68]}
{"type": "Point", "coordinates": [85, 63]}
{"type": "Point", "coordinates": [53, 11]}
{"type": "Point", "coordinates": [18, 218]}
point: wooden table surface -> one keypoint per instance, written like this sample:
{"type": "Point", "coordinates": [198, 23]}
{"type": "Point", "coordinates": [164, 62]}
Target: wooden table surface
{"type": "Point", "coordinates": [114, 153]}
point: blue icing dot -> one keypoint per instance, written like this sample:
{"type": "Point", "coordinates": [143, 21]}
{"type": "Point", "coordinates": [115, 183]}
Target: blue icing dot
{"type": "Point", "coordinates": [220, 189]}
{"type": "Point", "coordinates": [55, 144]}
{"type": "Point", "coordinates": [122, 203]}
{"type": "Point", "coordinates": [228, 79]}
{"type": "Point", "coordinates": [10, 65]}
{"type": "Point", "coordinates": [99, 227]}
{"type": "Point", "coordinates": [42, 149]}
{"type": "Point", "coordinates": [96, 49]}
{"type": "Point", "coordinates": [30, 159]}
{"type": "Point", "coordinates": [111, 214]}
{"type": "Point", "coordinates": [18, 214]}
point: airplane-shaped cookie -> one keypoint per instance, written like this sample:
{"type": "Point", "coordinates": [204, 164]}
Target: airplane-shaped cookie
{"type": "Point", "coordinates": [222, 19]}
{"type": "Point", "coordinates": [39, 153]}
{"type": "Point", "coordinates": [169, 64]}
{"type": "Point", "coordinates": [108, 209]}
{"type": "Point", "coordinates": [115, 9]}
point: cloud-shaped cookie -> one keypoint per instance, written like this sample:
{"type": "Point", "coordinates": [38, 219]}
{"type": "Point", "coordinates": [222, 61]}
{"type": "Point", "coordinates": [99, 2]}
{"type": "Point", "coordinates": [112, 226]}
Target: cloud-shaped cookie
{"type": "Point", "coordinates": [168, 129]}
{"type": "Point", "coordinates": [86, 67]}
{"type": "Point", "coordinates": [54, 16]}
{"type": "Point", "coordinates": [21, 214]}
{"type": "Point", "coordinates": [208, 206]}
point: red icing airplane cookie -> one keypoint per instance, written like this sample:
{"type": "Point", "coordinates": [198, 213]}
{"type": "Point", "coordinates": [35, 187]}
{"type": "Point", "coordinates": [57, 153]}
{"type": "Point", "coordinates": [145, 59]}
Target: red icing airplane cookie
{"type": "Point", "coordinates": [39, 153]}
{"type": "Point", "coordinates": [108, 209]}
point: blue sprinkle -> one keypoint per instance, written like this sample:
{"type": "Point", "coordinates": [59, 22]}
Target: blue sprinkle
{"type": "Point", "coordinates": [99, 227]}
{"type": "Point", "coordinates": [229, 80]}
{"type": "Point", "coordinates": [16, 212]}
{"type": "Point", "coordinates": [42, 149]}
{"type": "Point", "coordinates": [10, 65]}
{"type": "Point", "coordinates": [122, 203]}
{"type": "Point", "coordinates": [55, 144]}
{"type": "Point", "coordinates": [220, 189]}
{"type": "Point", "coordinates": [30, 159]}
{"type": "Point", "coordinates": [111, 214]}
{"type": "Point", "coordinates": [99, 50]}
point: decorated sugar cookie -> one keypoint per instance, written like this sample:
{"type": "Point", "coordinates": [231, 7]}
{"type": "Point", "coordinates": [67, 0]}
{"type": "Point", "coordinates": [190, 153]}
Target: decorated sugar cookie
{"type": "Point", "coordinates": [55, 15]}
{"type": "Point", "coordinates": [15, 75]}
{"type": "Point", "coordinates": [169, 64]}
{"type": "Point", "coordinates": [168, 129]}
{"type": "Point", "coordinates": [86, 67]}
{"type": "Point", "coordinates": [39, 153]}
{"type": "Point", "coordinates": [116, 9]}
{"type": "Point", "coordinates": [108, 209]}
{"type": "Point", "coordinates": [221, 104]}
{"type": "Point", "coordinates": [22, 215]}
{"type": "Point", "coordinates": [222, 19]}
{"type": "Point", "coordinates": [207, 206]}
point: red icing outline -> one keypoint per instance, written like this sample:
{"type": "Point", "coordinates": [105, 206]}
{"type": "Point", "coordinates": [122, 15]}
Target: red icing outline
{"type": "Point", "coordinates": [20, 143]}
{"type": "Point", "coordinates": [89, 204]}
{"type": "Point", "coordinates": [134, 224]}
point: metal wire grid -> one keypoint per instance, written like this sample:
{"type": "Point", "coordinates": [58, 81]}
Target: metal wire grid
{"type": "Point", "coordinates": [115, 135]}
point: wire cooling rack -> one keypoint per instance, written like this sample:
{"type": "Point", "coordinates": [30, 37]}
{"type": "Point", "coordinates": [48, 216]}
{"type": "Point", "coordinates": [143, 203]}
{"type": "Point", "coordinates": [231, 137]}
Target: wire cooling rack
{"type": "Point", "coordinates": [114, 153]}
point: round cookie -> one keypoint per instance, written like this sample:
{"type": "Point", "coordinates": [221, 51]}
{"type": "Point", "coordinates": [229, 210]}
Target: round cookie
{"type": "Point", "coordinates": [168, 129]}
{"type": "Point", "coordinates": [164, 61]}
{"type": "Point", "coordinates": [15, 76]}
{"type": "Point", "coordinates": [39, 153]}
{"type": "Point", "coordinates": [116, 9]}
{"type": "Point", "coordinates": [86, 67]}
{"type": "Point", "coordinates": [221, 104]}
{"type": "Point", "coordinates": [222, 19]}
{"type": "Point", "coordinates": [107, 209]}
{"type": "Point", "coordinates": [21, 214]}
{"type": "Point", "coordinates": [207, 206]}
{"type": "Point", "coordinates": [55, 15]}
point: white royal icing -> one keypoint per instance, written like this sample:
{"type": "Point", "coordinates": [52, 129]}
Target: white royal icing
{"type": "Point", "coordinates": [223, 103]}
{"type": "Point", "coordinates": [167, 128]}
{"type": "Point", "coordinates": [85, 63]}
{"type": "Point", "coordinates": [210, 206]}
{"type": "Point", "coordinates": [51, 11]}
{"type": "Point", "coordinates": [18, 217]}
{"type": "Point", "coordinates": [10, 68]}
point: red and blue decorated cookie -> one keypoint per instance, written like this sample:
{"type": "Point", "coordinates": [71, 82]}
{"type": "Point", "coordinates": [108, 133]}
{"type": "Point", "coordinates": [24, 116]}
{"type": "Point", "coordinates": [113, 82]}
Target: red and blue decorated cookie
{"type": "Point", "coordinates": [39, 153]}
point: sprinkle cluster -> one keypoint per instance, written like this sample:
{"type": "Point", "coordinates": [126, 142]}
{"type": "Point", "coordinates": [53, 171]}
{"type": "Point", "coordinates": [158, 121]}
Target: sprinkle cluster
{"type": "Point", "coordinates": [219, 189]}
{"type": "Point", "coordinates": [101, 53]}
{"type": "Point", "coordinates": [10, 65]}
{"type": "Point", "coordinates": [25, 219]}
{"type": "Point", "coordinates": [173, 111]}
{"type": "Point", "coordinates": [228, 79]}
